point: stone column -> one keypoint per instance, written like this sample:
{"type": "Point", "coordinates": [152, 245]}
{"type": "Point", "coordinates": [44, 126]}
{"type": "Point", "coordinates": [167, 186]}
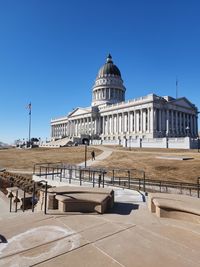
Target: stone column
{"type": "Point", "coordinates": [131, 122]}
{"type": "Point", "coordinates": [135, 123]}
{"type": "Point", "coordinates": [191, 125]}
{"type": "Point", "coordinates": [172, 121]}
{"type": "Point", "coordinates": [125, 123]}
{"type": "Point", "coordinates": [83, 126]}
{"type": "Point", "coordinates": [160, 120]}
{"type": "Point", "coordinates": [95, 125]}
{"type": "Point", "coordinates": [196, 123]}
{"type": "Point", "coordinates": [154, 120]}
{"type": "Point", "coordinates": [73, 127]}
{"type": "Point", "coordinates": [146, 120]}
{"type": "Point", "coordinates": [176, 113]}
{"type": "Point", "coordinates": [117, 123]}
{"type": "Point", "coordinates": [51, 131]}
{"type": "Point", "coordinates": [128, 122]}
{"type": "Point", "coordinates": [167, 122]}
{"type": "Point", "coordinates": [103, 125]}
{"type": "Point", "coordinates": [184, 124]}
{"type": "Point", "coordinates": [180, 123]}
{"type": "Point", "coordinates": [141, 120]}
{"type": "Point", "coordinates": [112, 130]}
{"type": "Point", "coordinates": [122, 122]}
{"type": "Point", "coordinates": [149, 120]}
{"type": "Point", "coordinates": [108, 124]}
{"type": "Point", "coordinates": [163, 121]}
{"type": "Point", "coordinates": [69, 128]}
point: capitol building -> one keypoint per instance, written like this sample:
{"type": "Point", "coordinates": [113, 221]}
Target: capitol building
{"type": "Point", "coordinates": [147, 121]}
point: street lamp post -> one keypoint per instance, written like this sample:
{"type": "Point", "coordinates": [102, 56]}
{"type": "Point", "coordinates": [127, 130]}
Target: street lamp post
{"type": "Point", "coordinates": [167, 140]}
{"type": "Point", "coordinates": [187, 131]}
{"type": "Point", "coordinates": [85, 154]}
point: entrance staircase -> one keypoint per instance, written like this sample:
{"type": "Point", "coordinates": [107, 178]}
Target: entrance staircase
{"type": "Point", "coordinates": [66, 141]}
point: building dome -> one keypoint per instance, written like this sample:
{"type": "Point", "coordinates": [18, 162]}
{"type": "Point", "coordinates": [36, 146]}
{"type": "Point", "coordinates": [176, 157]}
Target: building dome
{"type": "Point", "coordinates": [109, 68]}
{"type": "Point", "coordinates": [108, 88]}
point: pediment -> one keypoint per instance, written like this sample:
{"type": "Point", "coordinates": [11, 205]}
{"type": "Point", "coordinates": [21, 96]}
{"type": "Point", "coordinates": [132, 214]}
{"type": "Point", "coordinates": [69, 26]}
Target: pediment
{"type": "Point", "coordinates": [183, 102]}
{"type": "Point", "coordinates": [78, 111]}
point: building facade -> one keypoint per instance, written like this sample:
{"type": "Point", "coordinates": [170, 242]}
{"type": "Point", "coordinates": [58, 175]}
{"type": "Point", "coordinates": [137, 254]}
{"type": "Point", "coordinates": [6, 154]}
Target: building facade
{"type": "Point", "coordinates": [112, 120]}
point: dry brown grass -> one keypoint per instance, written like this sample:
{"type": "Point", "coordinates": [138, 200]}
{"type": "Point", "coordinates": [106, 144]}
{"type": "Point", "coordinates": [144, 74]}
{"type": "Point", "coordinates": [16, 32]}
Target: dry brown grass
{"type": "Point", "coordinates": [162, 169]}
{"type": "Point", "coordinates": [144, 159]}
{"type": "Point", "coordinates": [26, 158]}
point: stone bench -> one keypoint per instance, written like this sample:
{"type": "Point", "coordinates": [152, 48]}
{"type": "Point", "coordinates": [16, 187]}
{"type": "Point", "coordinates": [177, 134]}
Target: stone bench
{"type": "Point", "coordinates": [83, 202]}
{"type": "Point", "coordinates": [54, 191]}
{"type": "Point", "coordinates": [174, 206]}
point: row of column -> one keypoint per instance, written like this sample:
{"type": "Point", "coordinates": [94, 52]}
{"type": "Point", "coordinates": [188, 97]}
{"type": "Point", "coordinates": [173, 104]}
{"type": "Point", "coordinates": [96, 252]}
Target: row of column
{"type": "Point", "coordinates": [175, 123]}
{"type": "Point", "coordinates": [107, 93]}
{"type": "Point", "coordinates": [59, 130]}
{"type": "Point", "coordinates": [76, 127]}
{"type": "Point", "coordinates": [128, 122]}
{"type": "Point", "coordinates": [159, 122]}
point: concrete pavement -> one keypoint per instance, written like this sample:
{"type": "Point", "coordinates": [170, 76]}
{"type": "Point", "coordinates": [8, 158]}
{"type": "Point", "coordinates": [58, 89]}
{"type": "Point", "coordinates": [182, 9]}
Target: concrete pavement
{"type": "Point", "coordinates": [129, 235]}
{"type": "Point", "coordinates": [107, 151]}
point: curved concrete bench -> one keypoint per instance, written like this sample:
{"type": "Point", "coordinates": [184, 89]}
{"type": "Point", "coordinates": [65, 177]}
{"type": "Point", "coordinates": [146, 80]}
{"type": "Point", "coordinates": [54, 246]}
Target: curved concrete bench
{"type": "Point", "coordinates": [83, 202]}
{"type": "Point", "coordinates": [76, 189]}
{"type": "Point", "coordinates": [175, 206]}
{"type": "Point", "coordinates": [58, 196]}
{"type": "Point", "coordinates": [61, 190]}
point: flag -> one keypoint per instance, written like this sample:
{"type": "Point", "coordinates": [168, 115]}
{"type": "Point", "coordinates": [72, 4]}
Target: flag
{"type": "Point", "coordinates": [29, 108]}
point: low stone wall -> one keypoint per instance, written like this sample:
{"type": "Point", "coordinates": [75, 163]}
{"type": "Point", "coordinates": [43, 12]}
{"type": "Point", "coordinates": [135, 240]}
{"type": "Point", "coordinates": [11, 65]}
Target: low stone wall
{"type": "Point", "coordinates": [177, 143]}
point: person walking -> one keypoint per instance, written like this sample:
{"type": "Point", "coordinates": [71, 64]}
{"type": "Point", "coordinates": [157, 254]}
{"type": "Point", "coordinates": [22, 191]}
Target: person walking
{"type": "Point", "coordinates": [93, 155]}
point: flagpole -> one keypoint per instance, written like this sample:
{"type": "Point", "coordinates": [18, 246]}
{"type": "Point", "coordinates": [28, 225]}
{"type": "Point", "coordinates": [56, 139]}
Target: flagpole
{"type": "Point", "coordinates": [29, 127]}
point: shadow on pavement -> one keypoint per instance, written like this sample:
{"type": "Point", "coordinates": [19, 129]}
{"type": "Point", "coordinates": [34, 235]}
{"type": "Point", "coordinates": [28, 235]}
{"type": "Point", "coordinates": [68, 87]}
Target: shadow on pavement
{"type": "Point", "coordinates": [123, 208]}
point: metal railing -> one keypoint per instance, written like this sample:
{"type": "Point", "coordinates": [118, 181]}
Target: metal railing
{"type": "Point", "coordinates": [126, 178]}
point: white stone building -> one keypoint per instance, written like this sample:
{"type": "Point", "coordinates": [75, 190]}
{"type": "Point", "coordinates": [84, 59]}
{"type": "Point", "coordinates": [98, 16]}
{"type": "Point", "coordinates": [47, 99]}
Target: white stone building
{"type": "Point", "coordinates": [150, 120]}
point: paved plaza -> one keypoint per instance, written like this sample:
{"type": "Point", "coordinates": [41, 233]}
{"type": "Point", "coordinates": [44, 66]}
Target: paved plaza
{"type": "Point", "coordinates": [129, 235]}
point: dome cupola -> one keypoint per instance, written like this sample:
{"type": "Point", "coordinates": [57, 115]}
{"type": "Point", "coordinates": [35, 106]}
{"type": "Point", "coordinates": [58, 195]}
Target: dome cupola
{"type": "Point", "coordinates": [108, 87]}
{"type": "Point", "coordinates": [109, 68]}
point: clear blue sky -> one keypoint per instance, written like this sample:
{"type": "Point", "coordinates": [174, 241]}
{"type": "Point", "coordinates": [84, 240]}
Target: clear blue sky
{"type": "Point", "coordinates": [51, 50]}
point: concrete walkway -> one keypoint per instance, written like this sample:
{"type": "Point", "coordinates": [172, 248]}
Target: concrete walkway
{"type": "Point", "coordinates": [107, 151]}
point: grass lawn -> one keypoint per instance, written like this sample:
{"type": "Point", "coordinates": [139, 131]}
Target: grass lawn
{"type": "Point", "coordinates": [26, 158]}
{"type": "Point", "coordinates": [144, 159]}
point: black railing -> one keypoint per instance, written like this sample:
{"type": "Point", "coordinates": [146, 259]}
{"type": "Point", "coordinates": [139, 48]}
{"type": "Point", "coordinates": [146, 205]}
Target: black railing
{"type": "Point", "coordinates": [127, 178]}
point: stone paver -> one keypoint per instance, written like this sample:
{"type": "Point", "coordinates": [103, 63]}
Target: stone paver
{"type": "Point", "coordinates": [127, 236]}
